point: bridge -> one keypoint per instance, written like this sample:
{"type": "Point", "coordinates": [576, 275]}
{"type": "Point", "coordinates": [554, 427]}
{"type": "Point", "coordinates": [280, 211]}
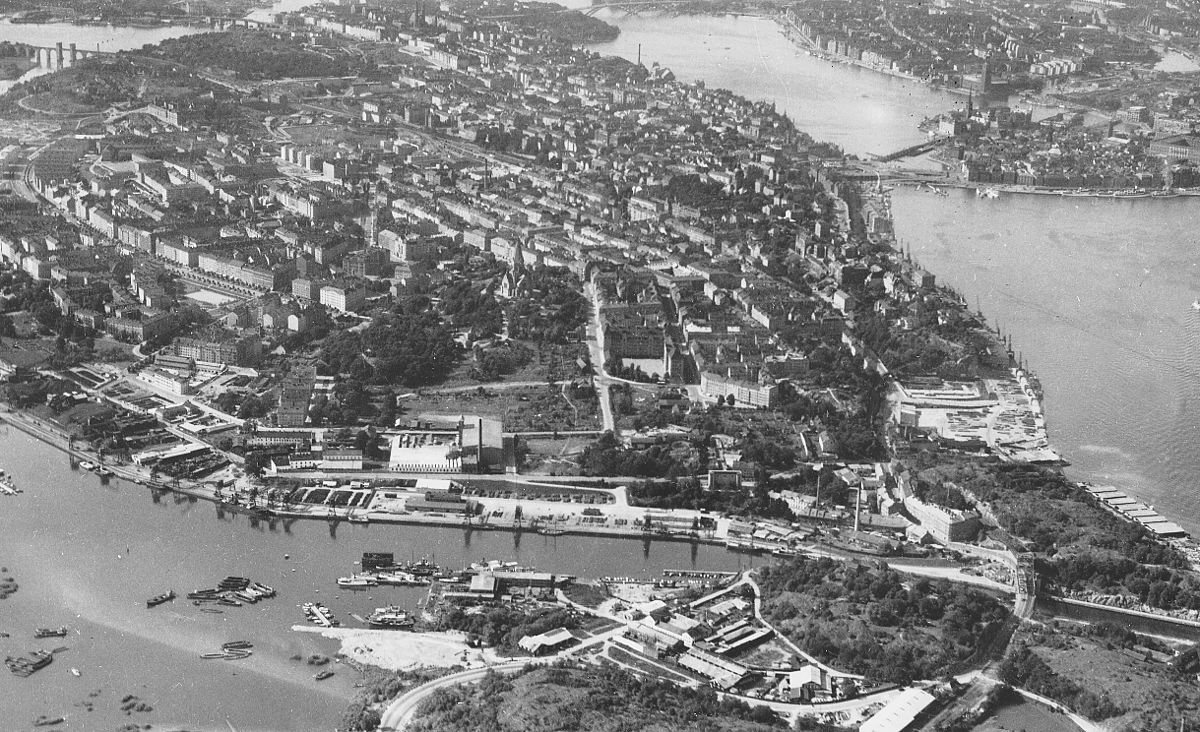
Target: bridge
{"type": "Point", "coordinates": [218, 22]}
{"type": "Point", "coordinates": [55, 57]}
{"type": "Point", "coordinates": [64, 55]}
{"type": "Point", "coordinates": [597, 6]}
{"type": "Point", "coordinates": [633, 5]}
{"type": "Point", "coordinates": [918, 149]}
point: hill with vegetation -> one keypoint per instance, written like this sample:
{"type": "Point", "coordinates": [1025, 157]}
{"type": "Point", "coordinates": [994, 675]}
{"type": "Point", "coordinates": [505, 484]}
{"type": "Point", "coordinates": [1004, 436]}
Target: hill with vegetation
{"type": "Point", "coordinates": [1079, 546]}
{"type": "Point", "coordinates": [586, 699]}
{"type": "Point", "coordinates": [872, 620]}
{"type": "Point", "coordinates": [255, 55]}
{"type": "Point", "coordinates": [1131, 682]}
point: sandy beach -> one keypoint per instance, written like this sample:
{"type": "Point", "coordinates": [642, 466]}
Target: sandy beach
{"type": "Point", "coordinates": [399, 650]}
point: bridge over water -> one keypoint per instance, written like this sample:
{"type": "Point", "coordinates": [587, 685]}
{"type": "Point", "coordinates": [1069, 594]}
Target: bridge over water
{"type": "Point", "coordinates": [632, 6]}
{"type": "Point", "coordinates": [58, 56]}
{"type": "Point", "coordinates": [65, 54]}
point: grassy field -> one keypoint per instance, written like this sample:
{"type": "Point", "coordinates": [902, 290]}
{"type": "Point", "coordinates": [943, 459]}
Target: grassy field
{"type": "Point", "coordinates": [1019, 715]}
{"type": "Point", "coordinates": [58, 103]}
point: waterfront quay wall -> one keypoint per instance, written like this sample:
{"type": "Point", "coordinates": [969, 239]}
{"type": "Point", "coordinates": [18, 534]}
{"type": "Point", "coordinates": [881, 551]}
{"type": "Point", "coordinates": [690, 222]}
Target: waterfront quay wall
{"type": "Point", "coordinates": [49, 435]}
{"type": "Point", "coordinates": [1135, 620]}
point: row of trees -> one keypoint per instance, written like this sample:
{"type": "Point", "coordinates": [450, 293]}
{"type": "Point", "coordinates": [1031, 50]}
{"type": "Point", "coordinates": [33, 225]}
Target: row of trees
{"type": "Point", "coordinates": [688, 493]}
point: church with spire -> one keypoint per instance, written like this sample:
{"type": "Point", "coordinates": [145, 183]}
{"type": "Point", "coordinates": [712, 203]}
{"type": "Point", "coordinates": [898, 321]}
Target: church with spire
{"type": "Point", "coordinates": [516, 280]}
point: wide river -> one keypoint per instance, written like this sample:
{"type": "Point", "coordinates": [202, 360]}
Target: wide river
{"type": "Point", "coordinates": [1097, 294]}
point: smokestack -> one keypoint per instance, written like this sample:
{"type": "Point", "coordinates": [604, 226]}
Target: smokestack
{"type": "Point", "coordinates": [857, 505]}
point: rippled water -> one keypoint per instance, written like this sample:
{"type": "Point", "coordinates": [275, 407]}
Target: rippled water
{"type": "Point", "coordinates": [1098, 295]}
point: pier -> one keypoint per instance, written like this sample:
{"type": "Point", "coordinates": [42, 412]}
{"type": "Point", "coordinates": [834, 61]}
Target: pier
{"type": "Point", "coordinates": [697, 574]}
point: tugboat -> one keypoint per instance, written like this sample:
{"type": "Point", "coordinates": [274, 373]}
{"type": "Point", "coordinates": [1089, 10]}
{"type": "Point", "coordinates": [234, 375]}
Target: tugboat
{"type": "Point", "coordinates": [390, 618]}
{"type": "Point", "coordinates": [160, 599]}
{"type": "Point", "coordinates": [50, 632]}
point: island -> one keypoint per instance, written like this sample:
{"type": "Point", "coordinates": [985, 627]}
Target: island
{"type": "Point", "coordinates": [447, 269]}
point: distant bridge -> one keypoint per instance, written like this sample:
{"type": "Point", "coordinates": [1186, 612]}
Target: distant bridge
{"type": "Point", "coordinates": [55, 57]}
{"type": "Point", "coordinates": [65, 55]}
{"type": "Point", "coordinates": [632, 5]}
{"type": "Point", "coordinates": [226, 22]}
{"type": "Point", "coordinates": [918, 149]}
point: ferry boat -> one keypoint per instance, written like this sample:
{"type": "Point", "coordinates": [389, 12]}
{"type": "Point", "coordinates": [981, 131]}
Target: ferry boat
{"type": "Point", "coordinates": [401, 578]}
{"type": "Point", "coordinates": [390, 618]}
{"type": "Point", "coordinates": [160, 599]}
{"type": "Point", "coordinates": [358, 580]}
{"type": "Point", "coordinates": [50, 632]}
{"type": "Point", "coordinates": [27, 666]}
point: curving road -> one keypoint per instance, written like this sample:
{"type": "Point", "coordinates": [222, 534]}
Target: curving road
{"type": "Point", "coordinates": [400, 713]}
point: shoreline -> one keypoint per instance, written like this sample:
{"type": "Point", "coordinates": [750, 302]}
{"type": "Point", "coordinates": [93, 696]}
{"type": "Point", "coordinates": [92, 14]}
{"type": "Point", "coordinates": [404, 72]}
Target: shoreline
{"type": "Point", "coordinates": [49, 435]}
{"type": "Point", "coordinates": [1124, 194]}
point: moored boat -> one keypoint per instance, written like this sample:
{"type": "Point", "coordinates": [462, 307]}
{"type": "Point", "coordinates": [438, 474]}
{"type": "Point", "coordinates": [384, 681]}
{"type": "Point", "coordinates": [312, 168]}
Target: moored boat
{"type": "Point", "coordinates": [358, 580]}
{"type": "Point", "coordinates": [27, 666]}
{"type": "Point", "coordinates": [390, 618]}
{"type": "Point", "coordinates": [320, 615]}
{"type": "Point", "coordinates": [160, 599]}
{"type": "Point", "coordinates": [50, 632]}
